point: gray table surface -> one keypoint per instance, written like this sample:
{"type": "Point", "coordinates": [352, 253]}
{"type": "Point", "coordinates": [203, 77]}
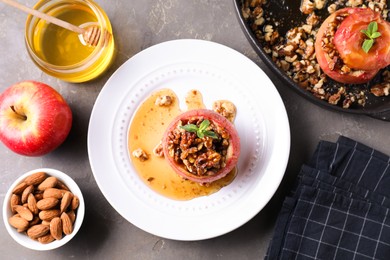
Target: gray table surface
{"type": "Point", "coordinates": [137, 25]}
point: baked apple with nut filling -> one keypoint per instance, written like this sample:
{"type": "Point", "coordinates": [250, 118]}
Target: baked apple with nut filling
{"type": "Point", "coordinates": [201, 145]}
{"type": "Point", "coordinates": [352, 45]}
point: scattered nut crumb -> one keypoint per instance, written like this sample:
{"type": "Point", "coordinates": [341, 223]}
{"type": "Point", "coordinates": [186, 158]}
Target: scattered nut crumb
{"type": "Point", "coordinates": [163, 101]}
{"type": "Point", "coordinates": [307, 6]}
{"type": "Point", "coordinates": [381, 90]}
{"type": "Point", "coordinates": [225, 108]}
{"type": "Point", "coordinates": [140, 154]}
{"type": "Point", "coordinates": [158, 150]}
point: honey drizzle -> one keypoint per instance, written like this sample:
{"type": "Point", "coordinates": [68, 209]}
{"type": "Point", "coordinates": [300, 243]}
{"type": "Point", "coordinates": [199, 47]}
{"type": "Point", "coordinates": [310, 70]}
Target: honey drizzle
{"type": "Point", "coordinates": [146, 130]}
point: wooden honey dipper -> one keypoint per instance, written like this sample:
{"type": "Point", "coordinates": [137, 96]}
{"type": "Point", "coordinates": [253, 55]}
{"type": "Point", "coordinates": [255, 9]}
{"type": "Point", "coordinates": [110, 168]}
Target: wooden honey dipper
{"type": "Point", "coordinates": [90, 34]}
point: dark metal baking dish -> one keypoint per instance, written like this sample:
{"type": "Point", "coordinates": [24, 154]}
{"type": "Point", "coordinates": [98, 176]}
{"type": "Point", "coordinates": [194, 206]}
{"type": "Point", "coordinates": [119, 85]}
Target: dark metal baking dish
{"type": "Point", "coordinates": [286, 12]}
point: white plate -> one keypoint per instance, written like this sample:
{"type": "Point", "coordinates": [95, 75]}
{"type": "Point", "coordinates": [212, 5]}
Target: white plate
{"type": "Point", "coordinates": [219, 73]}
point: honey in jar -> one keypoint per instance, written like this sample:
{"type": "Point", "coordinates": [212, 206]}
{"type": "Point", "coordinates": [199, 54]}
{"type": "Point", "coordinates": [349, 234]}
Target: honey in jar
{"type": "Point", "coordinates": [62, 53]}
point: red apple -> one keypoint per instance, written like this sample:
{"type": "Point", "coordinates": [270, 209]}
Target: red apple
{"type": "Point", "coordinates": [34, 118]}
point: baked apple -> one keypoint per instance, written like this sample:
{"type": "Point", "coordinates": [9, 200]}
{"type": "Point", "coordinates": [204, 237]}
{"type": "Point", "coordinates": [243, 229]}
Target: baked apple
{"type": "Point", "coordinates": [201, 145]}
{"type": "Point", "coordinates": [339, 45]}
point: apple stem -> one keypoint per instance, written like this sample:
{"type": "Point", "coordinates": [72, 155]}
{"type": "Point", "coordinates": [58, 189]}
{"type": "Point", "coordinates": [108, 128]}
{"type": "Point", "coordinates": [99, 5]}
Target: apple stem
{"type": "Point", "coordinates": [23, 117]}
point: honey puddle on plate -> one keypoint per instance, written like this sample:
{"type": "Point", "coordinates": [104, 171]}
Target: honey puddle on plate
{"type": "Point", "coordinates": [146, 130]}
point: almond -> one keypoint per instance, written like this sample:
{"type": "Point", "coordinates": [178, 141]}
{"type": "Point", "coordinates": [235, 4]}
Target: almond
{"type": "Point", "coordinates": [56, 228]}
{"type": "Point", "coordinates": [53, 193]}
{"type": "Point", "coordinates": [37, 231]}
{"type": "Point", "coordinates": [47, 203]}
{"type": "Point", "coordinates": [66, 200]}
{"type": "Point", "coordinates": [29, 189]}
{"type": "Point", "coordinates": [72, 215]}
{"type": "Point", "coordinates": [36, 220]}
{"type": "Point", "coordinates": [38, 196]}
{"type": "Point", "coordinates": [62, 186]}
{"type": "Point", "coordinates": [20, 188]}
{"type": "Point", "coordinates": [24, 212]}
{"type": "Point", "coordinates": [32, 204]}
{"type": "Point", "coordinates": [43, 207]}
{"type": "Point", "coordinates": [49, 182]}
{"type": "Point", "coordinates": [35, 178]}
{"type": "Point", "coordinates": [75, 202]}
{"type": "Point", "coordinates": [49, 214]}
{"type": "Point", "coordinates": [67, 226]}
{"type": "Point", "coordinates": [15, 200]}
{"type": "Point", "coordinates": [18, 223]}
{"type": "Point", "coordinates": [45, 222]}
{"type": "Point", "coordinates": [46, 239]}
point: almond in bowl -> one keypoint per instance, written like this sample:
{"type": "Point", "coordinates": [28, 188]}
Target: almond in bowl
{"type": "Point", "coordinates": [43, 209]}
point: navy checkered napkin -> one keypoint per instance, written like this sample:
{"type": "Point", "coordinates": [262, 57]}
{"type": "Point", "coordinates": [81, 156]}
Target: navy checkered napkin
{"type": "Point", "coordinates": [339, 207]}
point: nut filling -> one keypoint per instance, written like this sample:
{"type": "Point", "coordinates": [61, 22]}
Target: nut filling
{"type": "Point", "coordinates": [294, 51]}
{"type": "Point", "coordinates": [199, 156]}
{"type": "Point", "coordinates": [334, 60]}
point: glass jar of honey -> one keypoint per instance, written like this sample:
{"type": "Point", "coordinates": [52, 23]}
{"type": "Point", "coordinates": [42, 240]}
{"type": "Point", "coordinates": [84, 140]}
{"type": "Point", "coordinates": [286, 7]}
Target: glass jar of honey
{"type": "Point", "coordinates": [62, 53]}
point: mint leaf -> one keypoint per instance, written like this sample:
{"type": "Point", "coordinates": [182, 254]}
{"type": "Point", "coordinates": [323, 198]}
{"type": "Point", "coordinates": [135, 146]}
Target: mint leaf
{"type": "Point", "coordinates": [210, 134]}
{"type": "Point", "coordinates": [190, 128]}
{"type": "Point", "coordinates": [203, 126]}
{"type": "Point", "coordinates": [373, 27]}
{"type": "Point", "coordinates": [372, 33]}
{"type": "Point", "coordinates": [200, 131]}
{"type": "Point", "coordinates": [367, 44]}
{"type": "Point", "coordinates": [375, 35]}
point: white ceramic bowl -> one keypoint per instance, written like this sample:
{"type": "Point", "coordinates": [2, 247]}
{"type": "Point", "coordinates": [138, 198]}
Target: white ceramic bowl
{"type": "Point", "coordinates": [22, 238]}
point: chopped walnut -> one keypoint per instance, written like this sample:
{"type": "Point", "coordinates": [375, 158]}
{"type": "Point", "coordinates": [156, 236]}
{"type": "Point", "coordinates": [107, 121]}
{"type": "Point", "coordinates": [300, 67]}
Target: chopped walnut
{"type": "Point", "coordinates": [354, 3]}
{"type": "Point", "coordinates": [381, 90]}
{"type": "Point", "coordinates": [312, 19]}
{"type": "Point", "coordinates": [285, 65]}
{"type": "Point", "coordinates": [257, 2]}
{"type": "Point", "coordinates": [307, 6]}
{"type": "Point", "coordinates": [291, 59]}
{"type": "Point", "coordinates": [332, 8]}
{"type": "Point", "coordinates": [307, 28]}
{"type": "Point", "coordinates": [270, 34]}
{"type": "Point", "coordinates": [335, 98]}
{"type": "Point", "coordinates": [258, 12]}
{"type": "Point", "coordinates": [246, 12]}
{"type": "Point", "coordinates": [140, 154]}
{"type": "Point", "coordinates": [226, 109]}
{"type": "Point", "coordinates": [158, 150]}
{"type": "Point", "coordinates": [164, 101]}
{"type": "Point", "coordinates": [319, 4]}
{"type": "Point", "coordinates": [200, 156]}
